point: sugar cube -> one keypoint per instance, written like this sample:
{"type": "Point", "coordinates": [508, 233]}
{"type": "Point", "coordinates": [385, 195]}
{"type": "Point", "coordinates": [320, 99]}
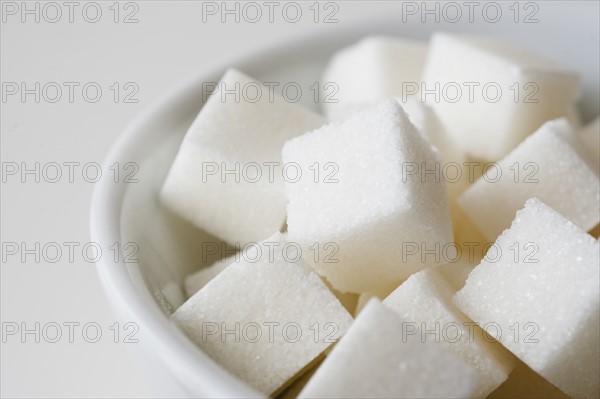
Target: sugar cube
{"type": "Point", "coordinates": [489, 95]}
{"type": "Point", "coordinates": [375, 360]}
{"type": "Point", "coordinates": [537, 289]}
{"type": "Point", "coordinates": [266, 317]}
{"type": "Point", "coordinates": [425, 300]}
{"type": "Point", "coordinates": [371, 203]}
{"type": "Point", "coordinates": [547, 165]}
{"type": "Point", "coordinates": [226, 178]}
{"type": "Point", "coordinates": [374, 69]}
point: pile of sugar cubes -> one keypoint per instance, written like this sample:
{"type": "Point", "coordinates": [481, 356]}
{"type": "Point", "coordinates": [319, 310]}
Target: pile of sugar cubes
{"type": "Point", "coordinates": [433, 235]}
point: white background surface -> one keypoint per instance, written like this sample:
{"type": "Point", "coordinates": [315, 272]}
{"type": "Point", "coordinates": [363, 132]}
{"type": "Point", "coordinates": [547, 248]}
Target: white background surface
{"type": "Point", "coordinates": [170, 43]}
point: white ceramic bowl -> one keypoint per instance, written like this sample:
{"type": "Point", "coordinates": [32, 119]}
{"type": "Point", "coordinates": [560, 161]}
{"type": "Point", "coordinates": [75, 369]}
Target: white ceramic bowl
{"type": "Point", "coordinates": [147, 292]}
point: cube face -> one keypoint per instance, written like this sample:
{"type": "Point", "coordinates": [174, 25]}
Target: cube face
{"type": "Point", "coordinates": [374, 360]}
{"type": "Point", "coordinates": [425, 300]}
{"type": "Point", "coordinates": [264, 318]}
{"type": "Point", "coordinates": [540, 288]}
{"type": "Point", "coordinates": [227, 178]}
{"type": "Point", "coordinates": [373, 206]}
{"type": "Point", "coordinates": [347, 150]}
{"type": "Point", "coordinates": [547, 166]}
{"type": "Point", "coordinates": [503, 94]}
{"type": "Point", "coordinates": [372, 70]}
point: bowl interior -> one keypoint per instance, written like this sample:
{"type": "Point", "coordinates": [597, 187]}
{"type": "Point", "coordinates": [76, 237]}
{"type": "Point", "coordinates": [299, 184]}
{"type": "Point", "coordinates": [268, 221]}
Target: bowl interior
{"type": "Point", "coordinates": [169, 248]}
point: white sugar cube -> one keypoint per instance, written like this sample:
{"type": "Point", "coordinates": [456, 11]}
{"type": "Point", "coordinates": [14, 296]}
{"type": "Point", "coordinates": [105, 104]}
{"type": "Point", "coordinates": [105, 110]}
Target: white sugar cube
{"type": "Point", "coordinates": [194, 282]}
{"type": "Point", "coordinates": [590, 135]}
{"type": "Point", "coordinates": [425, 300]}
{"type": "Point", "coordinates": [264, 319]}
{"type": "Point", "coordinates": [374, 360]}
{"type": "Point", "coordinates": [374, 69]}
{"type": "Point", "coordinates": [370, 200]}
{"type": "Point", "coordinates": [489, 95]}
{"type": "Point", "coordinates": [538, 287]}
{"type": "Point", "coordinates": [226, 178]}
{"type": "Point", "coordinates": [547, 165]}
